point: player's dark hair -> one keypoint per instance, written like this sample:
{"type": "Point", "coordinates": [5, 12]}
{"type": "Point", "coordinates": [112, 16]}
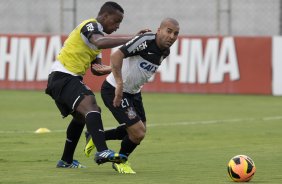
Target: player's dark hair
{"type": "Point", "coordinates": [110, 7]}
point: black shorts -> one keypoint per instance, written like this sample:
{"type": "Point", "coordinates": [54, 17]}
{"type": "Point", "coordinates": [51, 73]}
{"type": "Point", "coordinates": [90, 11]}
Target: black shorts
{"type": "Point", "coordinates": [131, 109]}
{"type": "Point", "coordinates": [67, 91]}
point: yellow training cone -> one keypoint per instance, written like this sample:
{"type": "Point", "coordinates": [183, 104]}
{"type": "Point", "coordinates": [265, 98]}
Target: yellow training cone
{"type": "Point", "coordinates": [42, 130]}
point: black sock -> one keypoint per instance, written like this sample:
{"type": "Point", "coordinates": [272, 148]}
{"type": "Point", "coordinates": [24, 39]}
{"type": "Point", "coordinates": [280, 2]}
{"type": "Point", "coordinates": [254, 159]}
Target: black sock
{"type": "Point", "coordinates": [127, 146]}
{"type": "Point", "coordinates": [74, 131]}
{"type": "Point", "coordinates": [95, 128]}
{"type": "Point", "coordinates": [116, 134]}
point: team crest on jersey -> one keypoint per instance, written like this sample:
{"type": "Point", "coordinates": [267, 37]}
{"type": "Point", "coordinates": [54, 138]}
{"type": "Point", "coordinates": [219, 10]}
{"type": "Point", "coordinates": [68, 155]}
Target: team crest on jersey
{"type": "Point", "coordinates": [131, 113]}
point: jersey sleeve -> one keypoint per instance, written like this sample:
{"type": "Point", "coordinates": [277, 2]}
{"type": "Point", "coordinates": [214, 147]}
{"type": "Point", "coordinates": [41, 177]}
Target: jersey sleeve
{"type": "Point", "coordinates": [136, 45]}
{"type": "Point", "coordinates": [91, 28]}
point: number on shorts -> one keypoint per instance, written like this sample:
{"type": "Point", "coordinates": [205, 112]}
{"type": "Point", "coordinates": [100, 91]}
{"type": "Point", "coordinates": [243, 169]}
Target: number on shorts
{"type": "Point", "coordinates": [124, 103]}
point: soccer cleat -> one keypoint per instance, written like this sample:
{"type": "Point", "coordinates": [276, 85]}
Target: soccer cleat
{"type": "Point", "coordinates": [109, 156]}
{"type": "Point", "coordinates": [89, 145]}
{"type": "Point", "coordinates": [74, 164]}
{"type": "Point", "coordinates": [123, 168]}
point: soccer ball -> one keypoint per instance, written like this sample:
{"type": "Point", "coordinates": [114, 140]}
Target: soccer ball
{"type": "Point", "coordinates": [241, 168]}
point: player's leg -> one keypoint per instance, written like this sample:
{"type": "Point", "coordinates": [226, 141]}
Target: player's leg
{"type": "Point", "coordinates": [126, 144]}
{"type": "Point", "coordinates": [119, 132]}
{"type": "Point", "coordinates": [112, 134]}
{"type": "Point", "coordinates": [136, 134]}
{"type": "Point", "coordinates": [136, 131]}
{"type": "Point", "coordinates": [77, 98]}
{"type": "Point", "coordinates": [57, 88]}
{"type": "Point", "coordinates": [124, 114]}
{"type": "Point", "coordinates": [89, 108]}
{"type": "Point", "coordinates": [73, 133]}
{"type": "Point", "coordinates": [89, 146]}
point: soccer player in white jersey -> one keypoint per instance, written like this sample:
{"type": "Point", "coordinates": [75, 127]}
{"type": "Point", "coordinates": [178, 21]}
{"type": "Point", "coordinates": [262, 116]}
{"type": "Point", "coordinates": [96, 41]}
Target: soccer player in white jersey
{"type": "Point", "coordinates": [81, 51]}
{"type": "Point", "coordinates": [132, 66]}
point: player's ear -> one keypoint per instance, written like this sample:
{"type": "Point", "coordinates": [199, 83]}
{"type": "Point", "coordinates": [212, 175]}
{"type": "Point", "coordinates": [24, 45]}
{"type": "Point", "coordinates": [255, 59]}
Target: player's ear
{"type": "Point", "coordinates": [159, 30]}
{"type": "Point", "coordinates": [105, 16]}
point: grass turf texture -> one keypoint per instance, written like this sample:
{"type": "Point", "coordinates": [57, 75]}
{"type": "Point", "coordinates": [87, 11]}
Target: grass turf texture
{"type": "Point", "coordinates": [190, 139]}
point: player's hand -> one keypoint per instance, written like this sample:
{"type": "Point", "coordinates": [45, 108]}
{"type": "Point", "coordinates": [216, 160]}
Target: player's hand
{"type": "Point", "coordinates": [118, 96]}
{"type": "Point", "coordinates": [143, 31]}
{"type": "Point", "coordinates": [99, 69]}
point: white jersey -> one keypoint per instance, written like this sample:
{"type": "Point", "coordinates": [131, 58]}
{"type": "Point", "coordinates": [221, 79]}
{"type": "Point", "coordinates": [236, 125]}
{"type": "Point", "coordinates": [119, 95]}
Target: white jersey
{"type": "Point", "coordinates": [142, 59]}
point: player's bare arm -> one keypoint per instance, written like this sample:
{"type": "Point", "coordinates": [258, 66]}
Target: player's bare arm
{"type": "Point", "coordinates": [104, 42]}
{"type": "Point", "coordinates": [116, 63]}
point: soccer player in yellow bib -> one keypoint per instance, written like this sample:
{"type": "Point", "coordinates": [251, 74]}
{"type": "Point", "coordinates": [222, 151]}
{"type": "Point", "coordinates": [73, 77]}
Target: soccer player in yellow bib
{"type": "Point", "coordinates": [81, 51]}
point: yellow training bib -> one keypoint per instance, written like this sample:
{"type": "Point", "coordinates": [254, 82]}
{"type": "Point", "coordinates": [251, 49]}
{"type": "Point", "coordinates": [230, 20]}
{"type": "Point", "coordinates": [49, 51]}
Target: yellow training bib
{"type": "Point", "coordinates": [77, 53]}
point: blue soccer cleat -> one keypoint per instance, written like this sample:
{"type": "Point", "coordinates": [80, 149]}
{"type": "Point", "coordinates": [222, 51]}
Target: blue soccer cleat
{"type": "Point", "coordinates": [109, 156]}
{"type": "Point", "coordinates": [74, 164]}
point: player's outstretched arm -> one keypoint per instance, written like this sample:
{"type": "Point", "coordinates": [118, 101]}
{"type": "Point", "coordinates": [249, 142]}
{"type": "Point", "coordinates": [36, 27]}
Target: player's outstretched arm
{"type": "Point", "coordinates": [105, 42]}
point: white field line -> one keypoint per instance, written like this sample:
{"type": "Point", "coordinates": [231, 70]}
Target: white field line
{"type": "Point", "coordinates": [273, 118]}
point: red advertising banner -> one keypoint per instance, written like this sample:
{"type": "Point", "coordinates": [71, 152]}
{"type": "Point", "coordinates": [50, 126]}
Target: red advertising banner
{"type": "Point", "coordinates": [231, 65]}
{"type": "Point", "coordinates": [25, 60]}
{"type": "Point", "coordinates": [237, 65]}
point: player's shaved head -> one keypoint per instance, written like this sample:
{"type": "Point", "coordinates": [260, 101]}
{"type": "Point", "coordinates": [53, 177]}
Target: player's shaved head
{"type": "Point", "coordinates": [167, 21]}
{"type": "Point", "coordinates": [167, 33]}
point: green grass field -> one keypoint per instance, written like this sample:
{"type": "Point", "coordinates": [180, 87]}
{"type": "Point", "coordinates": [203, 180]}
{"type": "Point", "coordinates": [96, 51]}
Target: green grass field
{"type": "Point", "coordinates": [190, 139]}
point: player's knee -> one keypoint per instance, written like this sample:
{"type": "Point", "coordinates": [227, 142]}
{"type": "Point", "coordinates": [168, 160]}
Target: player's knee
{"type": "Point", "coordinates": [138, 136]}
{"type": "Point", "coordinates": [87, 104]}
{"type": "Point", "coordinates": [141, 136]}
{"type": "Point", "coordinates": [137, 139]}
{"type": "Point", "coordinates": [95, 107]}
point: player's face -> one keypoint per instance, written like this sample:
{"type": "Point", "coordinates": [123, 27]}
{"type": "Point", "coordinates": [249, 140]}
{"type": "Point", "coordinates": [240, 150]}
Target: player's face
{"type": "Point", "coordinates": [167, 35]}
{"type": "Point", "coordinates": [112, 22]}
